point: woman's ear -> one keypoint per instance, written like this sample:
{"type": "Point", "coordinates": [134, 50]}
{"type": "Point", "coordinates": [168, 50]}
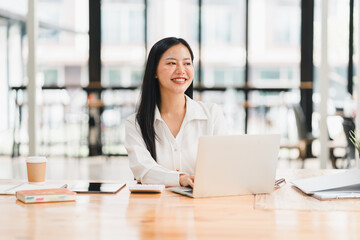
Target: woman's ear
{"type": "Point", "coordinates": [156, 76]}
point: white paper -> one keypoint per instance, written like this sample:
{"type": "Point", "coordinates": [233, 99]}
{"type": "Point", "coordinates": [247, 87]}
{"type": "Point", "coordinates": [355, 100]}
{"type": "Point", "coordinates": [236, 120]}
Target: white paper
{"type": "Point", "coordinates": [336, 195]}
{"type": "Point", "coordinates": [350, 180]}
{"type": "Point", "coordinates": [12, 188]}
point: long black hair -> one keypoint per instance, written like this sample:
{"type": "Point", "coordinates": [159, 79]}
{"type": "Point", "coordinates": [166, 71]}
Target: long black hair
{"type": "Point", "coordinates": [150, 91]}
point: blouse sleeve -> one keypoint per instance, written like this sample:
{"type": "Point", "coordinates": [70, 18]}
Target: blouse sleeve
{"type": "Point", "coordinates": [143, 166]}
{"type": "Point", "coordinates": [219, 120]}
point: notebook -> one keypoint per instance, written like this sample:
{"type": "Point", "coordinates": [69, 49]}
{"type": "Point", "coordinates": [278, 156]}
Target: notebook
{"type": "Point", "coordinates": [234, 165]}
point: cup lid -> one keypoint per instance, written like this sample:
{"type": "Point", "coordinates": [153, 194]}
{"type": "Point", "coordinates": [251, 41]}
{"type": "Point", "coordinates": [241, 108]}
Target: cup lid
{"type": "Point", "coordinates": [36, 159]}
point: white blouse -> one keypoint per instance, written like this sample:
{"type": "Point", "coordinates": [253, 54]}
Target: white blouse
{"type": "Point", "coordinates": [174, 155]}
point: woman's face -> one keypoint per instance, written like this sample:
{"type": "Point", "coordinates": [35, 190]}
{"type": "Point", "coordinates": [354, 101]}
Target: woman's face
{"type": "Point", "coordinates": [175, 71]}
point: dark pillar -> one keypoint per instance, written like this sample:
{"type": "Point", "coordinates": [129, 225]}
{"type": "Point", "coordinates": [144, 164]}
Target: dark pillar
{"type": "Point", "coordinates": [306, 64]}
{"type": "Point", "coordinates": [351, 48]}
{"type": "Point", "coordinates": [94, 88]}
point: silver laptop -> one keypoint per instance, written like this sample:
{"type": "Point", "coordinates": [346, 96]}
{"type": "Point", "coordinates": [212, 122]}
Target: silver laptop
{"type": "Point", "coordinates": [234, 165]}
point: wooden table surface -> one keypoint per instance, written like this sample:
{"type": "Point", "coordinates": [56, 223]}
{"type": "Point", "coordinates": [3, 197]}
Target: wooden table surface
{"type": "Point", "coordinates": [171, 216]}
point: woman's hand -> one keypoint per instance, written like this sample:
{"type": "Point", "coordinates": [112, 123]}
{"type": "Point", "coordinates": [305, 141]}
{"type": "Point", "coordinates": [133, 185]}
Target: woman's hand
{"type": "Point", "coordinates": [186, 180]}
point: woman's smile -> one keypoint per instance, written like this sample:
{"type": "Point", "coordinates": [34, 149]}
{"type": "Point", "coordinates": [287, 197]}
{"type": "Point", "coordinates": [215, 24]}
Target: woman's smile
{"type": "Point", "coordinates": [179, 80]}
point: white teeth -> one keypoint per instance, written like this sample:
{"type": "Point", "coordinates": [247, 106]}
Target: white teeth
{"type": "Point", "coordinates": [179, 80]}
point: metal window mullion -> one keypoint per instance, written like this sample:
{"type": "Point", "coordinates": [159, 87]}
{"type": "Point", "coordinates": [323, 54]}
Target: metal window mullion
{"type": "Point", "coordinates": [246, 63]}
{"type": "Point", "coordinates": [200, 43]}
{"type": "Point", "coordinates": [307, 63]}
{"type": "Point", "coordinates": [94, 41]}
{"type": "Point", "coordinates": [146, 28]}
{"type": "Point", "coordinates": [351, 48]}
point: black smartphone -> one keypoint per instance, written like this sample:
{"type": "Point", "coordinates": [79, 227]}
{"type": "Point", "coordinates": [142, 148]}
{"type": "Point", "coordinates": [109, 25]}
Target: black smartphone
{"type": "Point", "coordinates": [96, 187]}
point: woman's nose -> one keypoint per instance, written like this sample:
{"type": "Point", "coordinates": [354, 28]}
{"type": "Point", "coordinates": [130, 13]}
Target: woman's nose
{"type": "Point", "coordinates": [180, 69]}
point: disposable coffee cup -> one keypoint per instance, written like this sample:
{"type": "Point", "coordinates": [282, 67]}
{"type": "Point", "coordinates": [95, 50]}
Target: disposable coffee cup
{"type": "Point", "coordinates": [36, 169]}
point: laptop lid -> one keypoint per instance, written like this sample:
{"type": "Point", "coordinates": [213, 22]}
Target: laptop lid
{"type": "Point", "coordinates": [236, 165]}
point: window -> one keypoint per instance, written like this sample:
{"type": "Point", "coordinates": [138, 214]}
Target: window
{"type": "Point", "coordinates": [338, 49]}
{"type": "Point", "coordinates": [274, 42]}
{"type": "Point", "coordinates": [122, 22]}
{"type": "Point", "coordinates": [64, 44]}
{"type": "Point", "coordinates": [50, 77]}
{"type": "Point", "coordinates": [223, 45]}
{"type": "Point", "coordinates": [62, 48]}
{"type": "Point", "coordinates": [123, 42]}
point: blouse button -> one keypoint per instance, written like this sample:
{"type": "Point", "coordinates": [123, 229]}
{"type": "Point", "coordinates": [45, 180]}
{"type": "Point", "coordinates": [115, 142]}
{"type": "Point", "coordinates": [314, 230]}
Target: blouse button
{"type": "Point", "coordinates": [175, 149]}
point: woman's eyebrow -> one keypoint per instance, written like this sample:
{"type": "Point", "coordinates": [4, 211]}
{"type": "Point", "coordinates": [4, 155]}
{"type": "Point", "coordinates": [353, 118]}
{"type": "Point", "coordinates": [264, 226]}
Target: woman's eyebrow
{"type": "Point", "coordinates": [170, 58]}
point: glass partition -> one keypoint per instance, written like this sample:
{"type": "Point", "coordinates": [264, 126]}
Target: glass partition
{"type": "Point", "coordinates": [123, 42]}
{"type": "Point", "coordinates": [274, 42]}
{"type": "Point", "coordinates": [223, 43]}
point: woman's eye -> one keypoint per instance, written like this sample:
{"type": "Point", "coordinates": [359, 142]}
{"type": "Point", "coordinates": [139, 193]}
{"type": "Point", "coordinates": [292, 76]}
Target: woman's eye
{"type": "Point", "coordinates": [188, 64]}
{"type": "Point", "coordinates": [171, 63]}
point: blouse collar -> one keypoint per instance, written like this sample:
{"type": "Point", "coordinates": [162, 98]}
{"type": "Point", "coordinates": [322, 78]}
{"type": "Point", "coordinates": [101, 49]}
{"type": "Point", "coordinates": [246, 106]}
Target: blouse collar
{"type": "Point", "coordinates": [193, 111]}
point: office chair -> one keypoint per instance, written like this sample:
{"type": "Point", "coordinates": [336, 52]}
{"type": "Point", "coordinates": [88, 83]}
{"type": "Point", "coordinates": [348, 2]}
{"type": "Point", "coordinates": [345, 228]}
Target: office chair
{"type": "Point", "coordinates": [304, 136]}
{"type": "Point", "coordinates": [348, 124]}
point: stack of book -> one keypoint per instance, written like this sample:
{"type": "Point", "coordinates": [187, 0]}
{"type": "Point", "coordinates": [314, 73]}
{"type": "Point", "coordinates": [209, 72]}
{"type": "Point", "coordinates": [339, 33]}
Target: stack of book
{"type": "Point", "coordinates": [46, 195]}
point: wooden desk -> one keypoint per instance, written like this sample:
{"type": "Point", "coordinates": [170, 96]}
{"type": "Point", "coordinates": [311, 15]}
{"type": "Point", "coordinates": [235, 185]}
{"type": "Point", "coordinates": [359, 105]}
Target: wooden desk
{"type": "Point", "coordinates": [171, 216]}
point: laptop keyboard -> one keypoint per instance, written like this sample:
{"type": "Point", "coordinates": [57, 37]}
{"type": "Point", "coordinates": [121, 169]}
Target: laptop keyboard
{"type": "Point", "coordinates": [182, 190]}
{"type": "Point", "coordinates": [189, 191]}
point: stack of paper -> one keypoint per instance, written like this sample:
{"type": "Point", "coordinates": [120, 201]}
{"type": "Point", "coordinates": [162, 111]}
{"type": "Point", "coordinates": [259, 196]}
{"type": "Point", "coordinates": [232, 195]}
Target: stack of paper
{"type": "Point", "coordinates": [340, 185]}
{"type": "Point", "coordinates": [14, 187]}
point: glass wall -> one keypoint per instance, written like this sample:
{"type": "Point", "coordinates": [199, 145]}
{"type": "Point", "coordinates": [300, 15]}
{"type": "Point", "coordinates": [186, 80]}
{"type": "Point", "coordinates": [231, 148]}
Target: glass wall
{"type": "Point", "coordinates": [223, 57]}
{"type": "Point", "coordinates": [340, 102]}
{"type": "Point", "coordinates": [274, 61]}
{"type": "Point", "coordinates": [129, 28]}
{"type": "Point", "coordinates": [62, 59]}
{"type": "Point", "coordinates": [123, 42]}
{"type": "Point", "coordinates": [274, 42]}
{"type": "Point", "coordinates": [338, 50]}
{"type": "Point", "coordinates": [223, 43]}
{"type": "Point", "coordinates": [65, 36]}
{"type": "Point", "coordinates": [176, 18]}
{"type": "Point", "coordinates": [123, 57]}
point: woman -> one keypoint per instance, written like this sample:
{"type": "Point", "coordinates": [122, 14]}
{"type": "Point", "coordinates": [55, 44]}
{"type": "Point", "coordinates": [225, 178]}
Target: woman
{"type": "Point", "coordinates": [162, 137]}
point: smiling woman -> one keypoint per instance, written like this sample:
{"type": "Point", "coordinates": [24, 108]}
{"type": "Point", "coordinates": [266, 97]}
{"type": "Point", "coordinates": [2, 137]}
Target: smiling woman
{"type": "Point", "coordinates": [175, 74]}
{"type": "Point", "coordinates": [162, 137]}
